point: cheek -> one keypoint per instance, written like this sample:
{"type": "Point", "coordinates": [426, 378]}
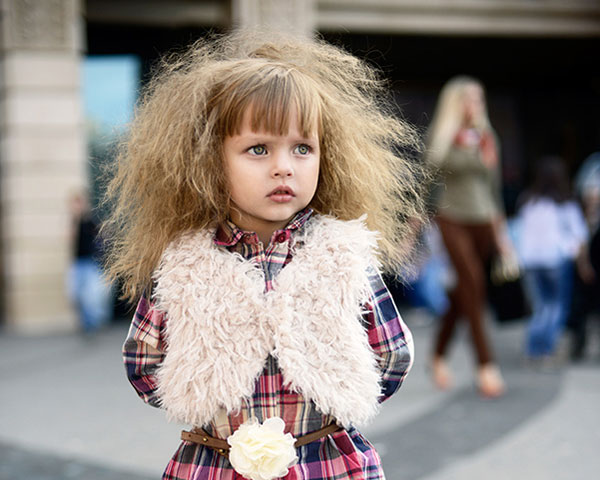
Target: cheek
{"type": "Point", "coordinates": [313, 177]}
{"type": "Point", "coordinates": [235, 185]}
{"type": "Point", "coordinates": [234, 181]}
{"type": "Point", "coordinates": [242, 186]}
{"type": "Point", "coordinates": [317, 176]}
{"type": "Point", "coordinates": [234, 171]}
{"type": "Point", "coordinates": [229, 181]}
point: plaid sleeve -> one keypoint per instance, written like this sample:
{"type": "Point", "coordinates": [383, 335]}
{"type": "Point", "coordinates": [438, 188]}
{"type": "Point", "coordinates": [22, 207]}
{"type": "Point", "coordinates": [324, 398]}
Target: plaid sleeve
{"type": "Point", "coordinates": [389, 337]}
{"type": "Point", "coordinates": [143, 350]}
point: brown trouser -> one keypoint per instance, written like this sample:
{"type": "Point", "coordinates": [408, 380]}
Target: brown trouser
{"type": "Point", "coordinates": [469, 247]}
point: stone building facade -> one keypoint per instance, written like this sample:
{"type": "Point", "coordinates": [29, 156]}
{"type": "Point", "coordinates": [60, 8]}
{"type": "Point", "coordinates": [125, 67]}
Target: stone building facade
{"type": "Point", "coordinates": [42, 155]}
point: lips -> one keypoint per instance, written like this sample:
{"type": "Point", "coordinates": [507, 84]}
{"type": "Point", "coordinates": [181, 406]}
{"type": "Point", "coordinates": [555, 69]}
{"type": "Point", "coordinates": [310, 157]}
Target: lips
{"type": "Point", "coordinates": [282, 194]}
{"type": "Point", "coordinates": [282, 190]}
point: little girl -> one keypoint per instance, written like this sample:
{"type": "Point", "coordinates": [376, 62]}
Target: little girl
{"type": "Point", "coordinates": [246, 205]}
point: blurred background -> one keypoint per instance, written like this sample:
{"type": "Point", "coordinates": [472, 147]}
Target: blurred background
{"type": "Point", "coordinates": [71, 70]}
{"type": "Point", "coordinates": [70, 73]}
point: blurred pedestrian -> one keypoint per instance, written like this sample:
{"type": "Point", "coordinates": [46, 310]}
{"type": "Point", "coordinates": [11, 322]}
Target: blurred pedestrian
{"type": "Point", "coordinates": [87, 289]}
{"type": "Point", "coordinates": [586, 291]}
{"type": "Point", "coordinates": [552, 232]}
{"type": "Point", "coordinates": [463, 151]}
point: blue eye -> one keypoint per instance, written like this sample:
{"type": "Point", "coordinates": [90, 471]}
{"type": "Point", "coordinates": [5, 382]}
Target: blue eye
{"type": "Point", "coordinates": [302, 149]}
{"type": "Point", "coordinates": [258, 150]}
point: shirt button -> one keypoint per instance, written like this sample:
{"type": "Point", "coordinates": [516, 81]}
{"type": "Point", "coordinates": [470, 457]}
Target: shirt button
{"type": "Point", "coordinates": [282, 237]}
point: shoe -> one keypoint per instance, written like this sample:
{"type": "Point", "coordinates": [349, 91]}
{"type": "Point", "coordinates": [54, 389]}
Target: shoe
{"type": "Point", "coordinates": [490, 382]}
{"type": "Point", "coordinates": [440, 374]}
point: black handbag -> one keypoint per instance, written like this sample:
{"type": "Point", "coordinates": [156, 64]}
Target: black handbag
{"type": "Point", "coordinates": [507, 295]}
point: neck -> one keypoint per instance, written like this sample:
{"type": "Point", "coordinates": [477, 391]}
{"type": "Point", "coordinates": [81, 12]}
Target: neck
{"type": "Point", "coordinates": [264, 230]}
{"type": "Point", "coordinates": [265, 236]}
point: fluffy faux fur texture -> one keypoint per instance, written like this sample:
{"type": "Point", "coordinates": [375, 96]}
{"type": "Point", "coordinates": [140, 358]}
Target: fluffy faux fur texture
{"type": "Point", "coordinates": [222, 325]}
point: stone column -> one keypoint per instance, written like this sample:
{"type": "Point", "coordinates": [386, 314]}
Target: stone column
{"type": "Point", "coordinates": [42, 155]}
{"type": "Point", "coordinates": [287, 15]}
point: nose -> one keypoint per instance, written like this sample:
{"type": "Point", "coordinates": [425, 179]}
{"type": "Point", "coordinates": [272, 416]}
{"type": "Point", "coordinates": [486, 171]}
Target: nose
{"type": "Point", "coordinates": [282, 165]}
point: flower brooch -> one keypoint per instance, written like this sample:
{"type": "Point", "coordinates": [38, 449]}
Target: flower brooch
{"type": "Point", "coordinates": [262, 452]}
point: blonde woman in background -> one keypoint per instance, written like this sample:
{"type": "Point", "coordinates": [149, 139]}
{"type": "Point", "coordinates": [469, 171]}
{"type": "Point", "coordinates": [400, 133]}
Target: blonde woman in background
{"type": "Point", "coordinates": [463, 153]}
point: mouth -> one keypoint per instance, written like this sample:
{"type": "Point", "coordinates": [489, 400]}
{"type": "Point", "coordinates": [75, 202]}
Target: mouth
{"type": "Point", "coordinates": [282, 194]}
{"type": "Point", "coordinates": [282, 190]}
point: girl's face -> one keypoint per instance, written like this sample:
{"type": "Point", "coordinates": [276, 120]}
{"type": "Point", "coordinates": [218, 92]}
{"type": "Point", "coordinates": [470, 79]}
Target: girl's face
{"type": "Point", "coordinates": [271, 177]}
{"type": "Point", "coordinates": [474, 104]}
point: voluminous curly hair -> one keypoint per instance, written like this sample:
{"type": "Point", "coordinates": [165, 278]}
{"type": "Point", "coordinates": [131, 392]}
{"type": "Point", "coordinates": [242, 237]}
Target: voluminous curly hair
{"type": "Point", "coordinates": [169, 176]}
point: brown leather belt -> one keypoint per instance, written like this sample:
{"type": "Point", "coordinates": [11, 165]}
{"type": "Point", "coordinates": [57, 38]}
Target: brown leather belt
{"type": "Point", "coordinates": [199, 436]}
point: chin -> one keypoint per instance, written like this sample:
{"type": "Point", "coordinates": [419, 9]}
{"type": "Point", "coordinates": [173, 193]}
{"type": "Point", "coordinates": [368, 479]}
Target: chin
{"type": "Point", "coordinates": [281, 216]}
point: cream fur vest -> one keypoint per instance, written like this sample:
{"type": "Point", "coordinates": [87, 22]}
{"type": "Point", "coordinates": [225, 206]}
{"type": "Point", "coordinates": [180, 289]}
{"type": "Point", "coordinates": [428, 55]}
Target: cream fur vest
{"type": "Point", "coordinates": [222, 325]}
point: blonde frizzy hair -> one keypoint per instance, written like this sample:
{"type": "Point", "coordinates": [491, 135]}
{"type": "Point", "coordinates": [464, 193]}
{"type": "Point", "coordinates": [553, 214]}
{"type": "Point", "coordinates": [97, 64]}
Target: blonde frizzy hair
{"type": "Point", "coordinates": [169, 176]}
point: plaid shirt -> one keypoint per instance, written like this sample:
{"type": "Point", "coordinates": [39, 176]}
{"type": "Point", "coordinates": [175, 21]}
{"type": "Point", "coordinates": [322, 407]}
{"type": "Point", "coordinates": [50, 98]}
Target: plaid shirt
{"type": "Point", "coordinates": [343, 455]}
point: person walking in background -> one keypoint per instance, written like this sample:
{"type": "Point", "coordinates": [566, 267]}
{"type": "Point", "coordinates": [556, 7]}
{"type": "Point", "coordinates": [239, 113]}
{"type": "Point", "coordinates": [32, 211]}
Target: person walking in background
{"type": "Point", "coordinates": [463, 152]}
{"type": "Point", "coordinates": [87, 289]}
{"type": "Point", "coordinates": [586, 287]}
{"type": "Point", "coordinates": [552, 232]}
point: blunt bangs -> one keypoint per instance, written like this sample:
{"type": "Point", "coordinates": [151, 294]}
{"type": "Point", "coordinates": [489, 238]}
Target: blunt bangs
{"type": "Point", "coordinates": [270, 93]}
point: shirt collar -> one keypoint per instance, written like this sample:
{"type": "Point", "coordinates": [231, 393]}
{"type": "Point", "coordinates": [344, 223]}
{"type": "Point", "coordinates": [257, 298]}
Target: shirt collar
{"type": "Point", "coordinates": [229, 234]}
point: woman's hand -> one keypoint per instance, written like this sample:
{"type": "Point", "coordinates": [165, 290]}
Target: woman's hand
{"type": "Point", "coordinates": [502, 242]}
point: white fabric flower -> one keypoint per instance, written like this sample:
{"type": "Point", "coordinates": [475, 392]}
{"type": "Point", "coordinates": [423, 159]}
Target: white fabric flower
{"type": "Point", "coordinates": [262, 452]}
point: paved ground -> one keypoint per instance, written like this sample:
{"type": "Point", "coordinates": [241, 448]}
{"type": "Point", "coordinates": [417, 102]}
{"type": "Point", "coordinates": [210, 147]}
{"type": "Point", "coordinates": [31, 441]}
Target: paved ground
{"type": "Point", "coordinates": [67, 411]}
